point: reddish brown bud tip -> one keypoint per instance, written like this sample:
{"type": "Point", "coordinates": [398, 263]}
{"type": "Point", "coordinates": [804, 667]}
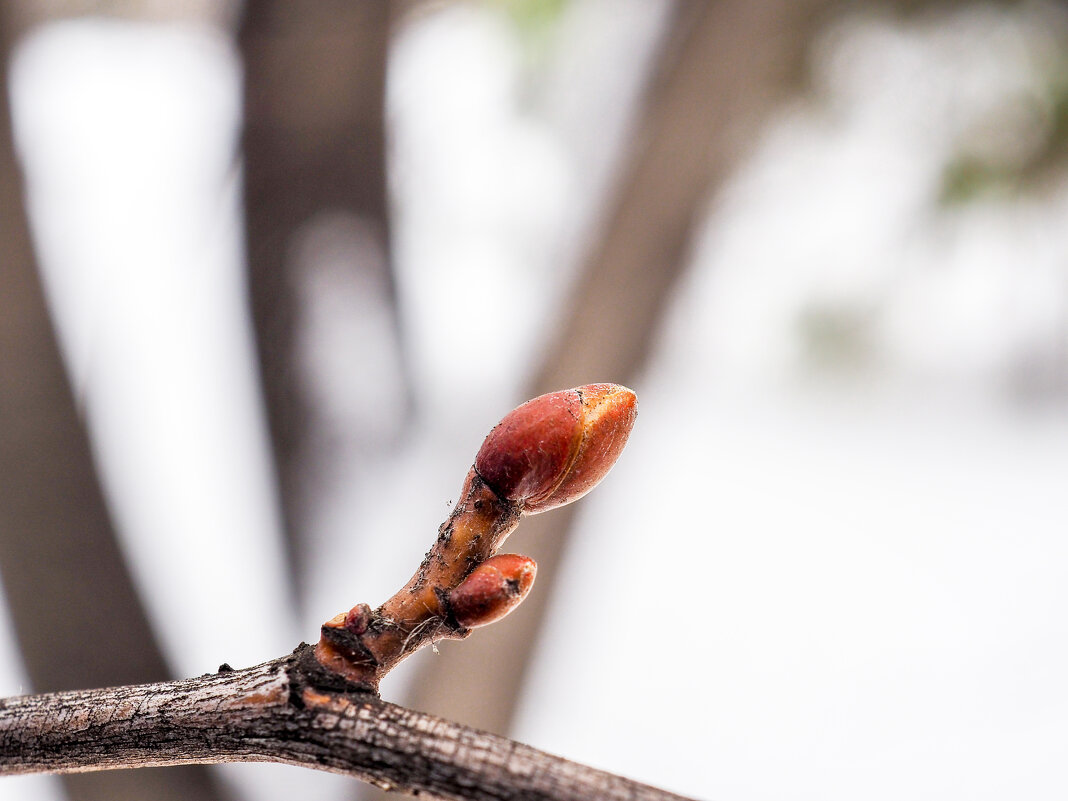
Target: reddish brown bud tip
{"type": "Point", "coordinates": [492, 590]}
{"type": "Point", "coordinates": [608, 413]}
{"type": "Point", "coordinates": [358, 618]}
{"type": "Point", "coordinates": [556, 448]}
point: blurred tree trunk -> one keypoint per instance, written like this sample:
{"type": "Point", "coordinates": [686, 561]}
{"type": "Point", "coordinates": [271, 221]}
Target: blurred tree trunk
{"type": "Point", "coordinates": [723, 66]}
{"type": "Point", "coordinates": [75, 610]}
{"type": "Point", "coordinates": [314, 146]}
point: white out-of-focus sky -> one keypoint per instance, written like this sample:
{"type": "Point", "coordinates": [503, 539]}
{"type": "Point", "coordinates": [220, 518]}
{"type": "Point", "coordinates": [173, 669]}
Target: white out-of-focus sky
{"type": "Point", "coordinates": [831, 562]}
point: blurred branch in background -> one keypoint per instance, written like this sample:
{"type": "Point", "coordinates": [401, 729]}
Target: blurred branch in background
{"type": "Point", "coordinates": [213, 12]}
{"type": "Point", "coordinates": [722, 68]}
{"type": "Point", "coordinates": [78, 618]}
{"type": "Point", "coordinates": [317, 223]}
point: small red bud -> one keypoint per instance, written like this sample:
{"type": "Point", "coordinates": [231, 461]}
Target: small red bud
{"type": "Point", "coordinates": [555, 448]}
{"type": "Point", "coordinates": [358, 618]}
{"type": "Point", "coordinates": [492, 590]}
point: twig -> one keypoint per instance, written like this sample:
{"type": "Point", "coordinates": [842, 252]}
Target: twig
{"type": "Point", "coordinates": [319, 706]}
{"type": "Point", "coordinates": [280, 712]}
{"type": "Point", "coordinates": [546, 453]}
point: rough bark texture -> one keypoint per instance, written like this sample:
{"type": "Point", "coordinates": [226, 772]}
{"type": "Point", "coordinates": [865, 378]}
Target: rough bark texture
{"type": "Point", "coordinates": [281, 711]}
{"type": "Point", "coordinates": [722, 67]}
{"type": "Point", "coordinates": [65, 578]}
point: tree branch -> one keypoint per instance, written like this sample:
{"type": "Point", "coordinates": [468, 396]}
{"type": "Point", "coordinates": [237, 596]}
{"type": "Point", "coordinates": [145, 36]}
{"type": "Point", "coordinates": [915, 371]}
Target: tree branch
{"type": "Point", "coordinates": [319, 706]}
{"type": "Point", "coordinates": [314, 150]}
{"type": "Point", "coordinates": [288, 710]}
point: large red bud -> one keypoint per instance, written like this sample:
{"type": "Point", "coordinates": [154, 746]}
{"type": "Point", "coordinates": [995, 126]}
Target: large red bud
{"type": "Point", "coordinates": [557, 447]}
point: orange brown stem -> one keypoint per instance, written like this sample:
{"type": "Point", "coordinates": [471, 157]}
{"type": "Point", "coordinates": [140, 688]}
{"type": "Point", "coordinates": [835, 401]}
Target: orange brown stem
{"type": "Point", "coordinates": [545, 453]}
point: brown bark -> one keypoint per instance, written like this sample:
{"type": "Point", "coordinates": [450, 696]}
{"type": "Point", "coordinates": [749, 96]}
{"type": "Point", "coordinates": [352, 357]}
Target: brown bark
{"type": "Point", "coordinates": [314, 144]}
{"type": "Point", "coordinates": [277, 712]}
{"type": "Point", "coordinates": [722, 67]}
{"type": "Point", "coordinates": [65, 578]}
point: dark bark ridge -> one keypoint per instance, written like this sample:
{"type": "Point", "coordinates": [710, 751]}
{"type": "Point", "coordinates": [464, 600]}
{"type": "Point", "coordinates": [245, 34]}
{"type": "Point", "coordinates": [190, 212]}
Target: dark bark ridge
{"type": "Point", "coordinates": [290, 711]}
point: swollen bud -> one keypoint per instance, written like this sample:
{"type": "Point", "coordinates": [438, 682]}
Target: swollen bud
{"type": "Point", "coordinates": [554, 449]}
{"type": "Point", "coordinates": [492, 590]}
